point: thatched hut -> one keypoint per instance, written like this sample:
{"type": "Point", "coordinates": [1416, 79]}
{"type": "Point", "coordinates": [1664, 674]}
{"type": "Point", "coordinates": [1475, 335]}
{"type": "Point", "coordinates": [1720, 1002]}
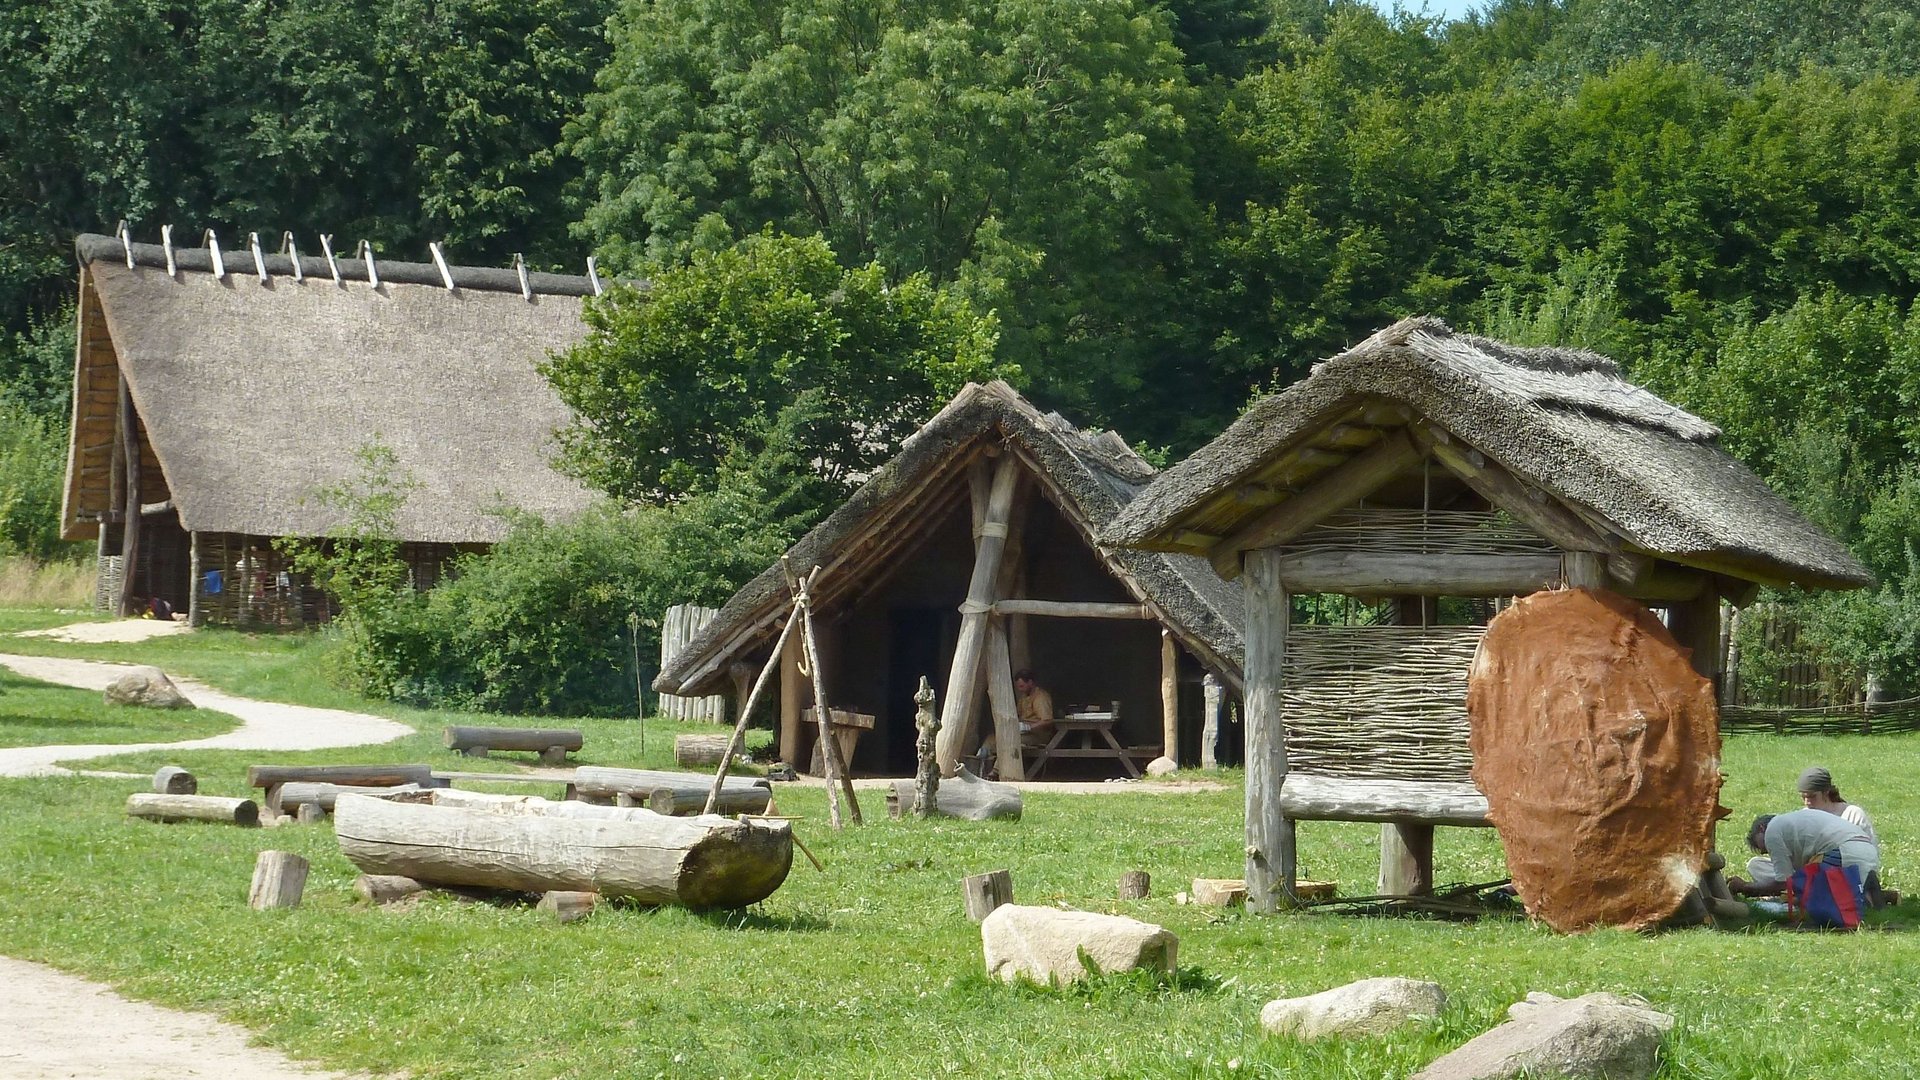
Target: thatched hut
{"type": "Point", "coordinates": [216, 393]}
{"type": "Point", "coordinates": [1433, 474]}
{"type": "Point", "coordinates": [972, 554]}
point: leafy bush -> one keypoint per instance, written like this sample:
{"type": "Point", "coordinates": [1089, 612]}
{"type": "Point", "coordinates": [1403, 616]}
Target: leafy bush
{"type": "Point", "coordinates": [33, 458]}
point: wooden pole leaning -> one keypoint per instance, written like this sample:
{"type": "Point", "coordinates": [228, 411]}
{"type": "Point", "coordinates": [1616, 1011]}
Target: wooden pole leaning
{"type": "Point", "coordinates": [746, 710]}
{"type": "Point", "coordinates": [963, 679]}
{"type": "Point", "coordinates": [839, 783]}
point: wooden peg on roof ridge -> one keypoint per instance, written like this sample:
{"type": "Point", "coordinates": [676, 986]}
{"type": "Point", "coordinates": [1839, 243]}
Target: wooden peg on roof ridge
{"type": "Point", "coordinates": [439, 261]}
{"type": "Point", "coordinates": [292, 252]}
{"type": "Point", "coordinates": [212, 240]}
{"type": "Point", "coordinates": [166, 242]}
{"type": "Point", "coordinates": [333, 263]}
{"type": "Point", "coordinates": [366, 256]}
{"type": "Point", "coordinates": [259, 257]}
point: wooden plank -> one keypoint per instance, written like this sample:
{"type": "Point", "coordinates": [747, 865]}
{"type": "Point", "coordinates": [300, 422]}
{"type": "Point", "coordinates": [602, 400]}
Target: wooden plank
{"type": "Point", "coordinates": [964, 677]}
{"type": "Point", "coordinates": [1308, 797]}
{"type": "Point", "coordinates": [1339, 488]}
{"type": "Point", "coordinates": [1072, 609]}
{"type": "Point", "coordinates": [1269, 834]}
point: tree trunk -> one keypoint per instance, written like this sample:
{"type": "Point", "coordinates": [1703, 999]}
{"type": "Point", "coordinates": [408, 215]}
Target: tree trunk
{"type": "Point", "coordinates": [279, 877]}
{"type": "Point", "coordinates": [701, 750]}
{"type": "Point", "coordinates": [1270, 833]}
{"type": "Point", "coordinates": [500, 738]}
{"type": "Point", "coordinates": [262, 776]}
{"type": "Point", "coordinates": [154, 807]}
{"type": "Point", "coordinates": [531, 845]}
{"type": "Point", "coordinates": [292, 798]}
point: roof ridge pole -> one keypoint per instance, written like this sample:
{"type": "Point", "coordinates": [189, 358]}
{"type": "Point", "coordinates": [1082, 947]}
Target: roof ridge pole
{"type": "Point", "coordinates": [593, 274]}
{"type": "Point", "coordinates": [212, 240]}
{"type": "Point", "coordinates": [333, 264]}
{"type": "Point", "coordinates": [126, 240]}
{"type": "Point", "coordinates": [292, 252]}
{"type": "Point", "coordinates": [439, 260]}
{"type": "Point", "coordinates": [166, 241]}
{"type": "Point", "coordinates": [366, 255]}
{"type": "Point", "coordinates": [259, 259]}
{"type": "Point", "coordinates": [526, 291]}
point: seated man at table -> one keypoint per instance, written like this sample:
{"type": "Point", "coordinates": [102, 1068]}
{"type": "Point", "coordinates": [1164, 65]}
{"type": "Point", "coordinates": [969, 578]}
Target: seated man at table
{"type": "Point", "coordinates": [1036, 709]}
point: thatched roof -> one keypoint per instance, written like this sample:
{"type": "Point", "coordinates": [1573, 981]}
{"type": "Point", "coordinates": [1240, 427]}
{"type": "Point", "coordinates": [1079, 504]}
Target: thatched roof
{"type": "Point", "coordinates": [1565, 421]}
{"type": "Point", "coordinates": [254, 394]}
{"type": "Point", "coordinates": [1090, 477]}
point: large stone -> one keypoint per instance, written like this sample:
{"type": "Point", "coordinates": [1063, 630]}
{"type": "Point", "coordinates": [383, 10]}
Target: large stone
{"type": "Point", "coordinates": [1598, 748]}
{"type": "Point", "coordinates": [1367, 1007]}
{"type": "Point", "coordinates": [1595, 1037]}
{"type": "Point", "coordinates": [965, 795]}
{"type": "Point", "coordinates": [148, 687]}
{"type": "Point", "coordinates": [1047, 945]}
{"type": "Point", "coordinates": [1162, 766]}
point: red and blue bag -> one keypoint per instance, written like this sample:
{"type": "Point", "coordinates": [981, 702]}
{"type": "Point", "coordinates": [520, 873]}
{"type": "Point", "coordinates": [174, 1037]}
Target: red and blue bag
{"type": "Point", "coordinates": [1827, 894]}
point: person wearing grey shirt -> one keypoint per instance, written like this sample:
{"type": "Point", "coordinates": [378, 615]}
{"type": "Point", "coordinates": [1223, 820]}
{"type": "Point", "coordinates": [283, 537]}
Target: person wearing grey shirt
{"type": "Point", "coordinates": [1793, 840]}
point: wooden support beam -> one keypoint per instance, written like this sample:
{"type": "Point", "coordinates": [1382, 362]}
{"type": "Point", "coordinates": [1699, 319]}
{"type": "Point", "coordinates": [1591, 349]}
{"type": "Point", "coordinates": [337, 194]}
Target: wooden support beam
{"type": "Point", "coordinates": [196, 582]}
{"type": "Point", "coordinates": [1306, 797]}
{"type": "Point", "coordinates": [1003, 703]}
{"type": "Point", "coordinates": [130, 532]}
{"type": "Point", "coordinates": [1586, 570]}
{"type": "Point", "coordinates": [1406, 859]}
{"type": "Point", "coordinates": [1072, 609]}
{"type": "Point", "coordinates": [1169, 696]}
{"type": "Point", "coordinates": [963, 679]}
{"type": "Point", "coordinates": [792, 689]}
{"type": "Point", "coordinates": [1695, 624]}
{"type": "Point", "coordinates": [1341, 487]}
{"type": "Point", "coordinates": [1363, 573]}
{"type": "Point", "coordinates": [1270, 870]}
{"type": "Point", "coordinates": [1533, 507]}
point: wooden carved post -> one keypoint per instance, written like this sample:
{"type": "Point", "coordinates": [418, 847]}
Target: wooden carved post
{"type": "Point", "coordinates": [963, 680]}
{"type": "Point", "coordinates": [1169, 696]}
{"type": "Point", "coordinates": [926, 779]}
{"type": "Point", "coordinates": [1216, 697]}
{"type": "Point", "coordinates": [1270, 834]}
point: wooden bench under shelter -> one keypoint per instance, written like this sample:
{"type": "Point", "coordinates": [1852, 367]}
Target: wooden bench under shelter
{"type": "Point", "coordinates": [1380, 510]}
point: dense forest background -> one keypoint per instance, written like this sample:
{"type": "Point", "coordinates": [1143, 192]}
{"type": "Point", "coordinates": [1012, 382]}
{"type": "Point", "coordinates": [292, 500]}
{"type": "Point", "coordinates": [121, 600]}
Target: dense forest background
{"type": "Point", "coordinates": [1151, 211]}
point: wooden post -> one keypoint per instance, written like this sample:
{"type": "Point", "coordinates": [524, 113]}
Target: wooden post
{"type": "Point", "coordinates": [926, 723]}
{"type": "Point", "coordinates": [1406, 859]}
{"type": "Point", "coordinates": [174, 780]}
{"type": "Point", "coordinates": [1004, 703]}
{"type": "Point", "coordinates": [791, 687]}
{"type": "Point", "coordinates": [1270, 834]}
{"type": "Point", "coordinates": [130, 516]}
{"type": "Point", "coordinates": [987, 891]}
{"type": "Point", "coordinates": [1135, 885]}
{"type": "Point", "coordinates": [1169, 696]}
{"type": "Point", "coordinates": [837, 774]}
{"type": "Point", "coordinates": [196, 587]}
{"type": "Point", "coordinates": [279, 877]}
{"type": "Point", "coordinates": [745, 704]}
{"type": "Point", "coordinates": [742, 676]}
{"type": "Point", "coordinates": [1216, 697]}
{"type": "Point", "coordinates": [963, 679]}
{"type": "Point", "coordinates": [1695, 624]}
{"type": "Point", "coordinates": [1586, 569]}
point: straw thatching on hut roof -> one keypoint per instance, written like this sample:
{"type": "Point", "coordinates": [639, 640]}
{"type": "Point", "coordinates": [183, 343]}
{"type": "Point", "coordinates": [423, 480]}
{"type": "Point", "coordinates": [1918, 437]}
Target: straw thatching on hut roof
{"type": "Point", "coordinates": [896, 560]}
{"type": "Point", "coordinates": [247, 392]}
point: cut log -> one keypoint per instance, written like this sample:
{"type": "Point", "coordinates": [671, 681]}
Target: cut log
{"type": "Point", "coordinates": [566, 907]}
{"type": "Point", "coordinates": [693, 751]}
{"type": "Point", "coordinates": [964, 795]}
{"type": "Point", "coordinates": [293, 797]}
{"type": "Point", "coordinates": [537, 740]}
{"type": "Point", "coordinates": [1135, 885]}
{"type": "Point", "coordinates": [156, 807]}
{"type": "Point", "coordinates": [987, 891]}
{"type": "Point", "coordinates": [264, 776]}
{"type": "Point", "coordinates": [174, 780]}
{"type": "Point", "coordinates": [385, 888]}
{"type": "Point", "coordinates": [279, 877]}
{"type": "Point", "coordinates": [532, 845]}
{"type": "Point", "coordinates": [1219, 892]}
{"type": "Point", "coordinates": [739, 795]}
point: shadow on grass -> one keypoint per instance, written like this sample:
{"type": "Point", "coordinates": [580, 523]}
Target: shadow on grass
{"type": "Point", "coordinates": [725, 919]}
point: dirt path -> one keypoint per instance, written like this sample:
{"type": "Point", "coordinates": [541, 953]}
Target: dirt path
{"type": "Point", "coordinates": [60, 1026]}
{"type": "Point", "coordinates": [120, 630]}
{"type": "Point", "coordinates": [265, 725]}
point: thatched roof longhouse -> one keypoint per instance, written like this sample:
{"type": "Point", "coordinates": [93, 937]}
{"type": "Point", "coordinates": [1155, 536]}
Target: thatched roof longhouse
{"type": "Point", "coordinates": [1088, 477]}
{"type": "Point", "coordinates": [1638, 468]}
{"type": "Point", "coordinates": [255, 394]}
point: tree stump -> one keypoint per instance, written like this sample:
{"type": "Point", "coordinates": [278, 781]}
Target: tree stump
{"type": "Point", "coordinates": [566, 907]}
{"type": "Point", "coordinates": [279, 877]}
{"type": "Point", "coordinates": [987, 891]}
{"type": "Point", "coordinates": [174, 780]}
{"type": "Point", "coordinates": [1135, 885]}
{"type": "Point", "coordinates": [1219, 892]}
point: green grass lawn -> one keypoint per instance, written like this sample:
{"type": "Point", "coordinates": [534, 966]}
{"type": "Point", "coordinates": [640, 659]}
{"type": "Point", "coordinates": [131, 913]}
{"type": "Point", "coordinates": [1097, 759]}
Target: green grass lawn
{"type": "Point", "coordinates": [872, 969]}
{"type": "Point", "coordinates": [39, 714]}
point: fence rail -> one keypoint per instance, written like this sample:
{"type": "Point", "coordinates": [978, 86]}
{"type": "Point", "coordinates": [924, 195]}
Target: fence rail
{"type": "Point", "coordinates": [1865, 718]}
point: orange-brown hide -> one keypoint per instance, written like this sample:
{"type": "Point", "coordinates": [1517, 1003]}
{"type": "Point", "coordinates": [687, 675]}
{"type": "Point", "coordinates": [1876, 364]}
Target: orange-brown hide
{"type": "Point", "coordinates": [1598, 748]}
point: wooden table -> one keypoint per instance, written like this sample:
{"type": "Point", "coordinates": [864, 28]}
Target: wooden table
{"type": "Point", "coordinates": [1094, 728]}
{"type": "Point", "coordinates": [847, 726]}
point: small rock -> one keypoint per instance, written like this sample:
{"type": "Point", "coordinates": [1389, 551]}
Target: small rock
{"type": "Point", "coordinates": [1595, 1037]}
{"type": "Point", "coordinates": [1162, 766]}
{"type": "Point", "coordinates": [146, 686]}
{"type": "Point", "coordinates": [1046, 945]}
{"type": "Point", "coordinates": [1367, 1007]}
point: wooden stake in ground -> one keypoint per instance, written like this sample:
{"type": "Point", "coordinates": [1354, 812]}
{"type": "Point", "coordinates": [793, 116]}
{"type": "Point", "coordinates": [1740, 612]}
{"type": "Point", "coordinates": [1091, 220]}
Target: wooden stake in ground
{"type": "Point", "coordinates": [926, 782]}
{"type": "Point", "coordinates": [1135, 884]}
{"type": "Point", "coordinates": [746, 711]}
{"type": "Point", "coordinates": [837, 776]}
{"type": "Point", "coordinates": [987, 891]}
{"type": "Point", "coordinates": [279, 877]}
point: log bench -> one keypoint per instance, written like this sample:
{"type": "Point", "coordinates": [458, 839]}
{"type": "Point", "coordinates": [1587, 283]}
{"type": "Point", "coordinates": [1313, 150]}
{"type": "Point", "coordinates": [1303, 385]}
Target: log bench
{"type": "Point", "coordinates": [1408, 808]}
{"type": "Point", "coordinates": [270, 778]}
{"type": "Point", "coordinates": [552, 744]}
{"type": "Point", "coordinates": [668, 792]}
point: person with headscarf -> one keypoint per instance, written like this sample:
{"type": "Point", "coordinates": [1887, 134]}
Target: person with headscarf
{"type": "Point", "coordinates": [1818, 792]}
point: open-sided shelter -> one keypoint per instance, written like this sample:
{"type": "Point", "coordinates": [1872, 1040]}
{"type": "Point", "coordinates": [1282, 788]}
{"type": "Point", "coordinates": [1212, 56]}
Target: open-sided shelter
{"type": "Point", "coordinates": [970, 555]}
{"type": "Point", "coordinates": [1438, 473]}
{"type": "Point", "coordinates": [216, 394]}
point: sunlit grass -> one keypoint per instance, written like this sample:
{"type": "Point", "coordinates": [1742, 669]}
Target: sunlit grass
{"type": "Point", "coordinates": [38, 714]}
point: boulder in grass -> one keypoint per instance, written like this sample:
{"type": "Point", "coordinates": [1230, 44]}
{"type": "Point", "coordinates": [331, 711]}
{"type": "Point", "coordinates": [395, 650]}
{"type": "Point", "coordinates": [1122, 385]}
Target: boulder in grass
{"type": "Point", "coordinates": [1594, 1037]}
{"type": "Point", "coordinates": [148, 687]}
{"type": "Point", "coordinates": [1162, 766]}
{"type": "Point", "coordinates": [1367, 1007]}
{"type": "Point", "coordinates": [1051, 946]}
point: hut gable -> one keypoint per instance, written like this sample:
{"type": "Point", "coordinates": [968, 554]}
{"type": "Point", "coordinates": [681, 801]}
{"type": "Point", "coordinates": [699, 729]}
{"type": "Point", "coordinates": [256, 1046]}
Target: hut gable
{"type": "Point", "coordinates": [253, 390]}
{"type": "Point", "coordinates": [1088, 478]}
{"type": "Point", "coordinates": [1582, 451]}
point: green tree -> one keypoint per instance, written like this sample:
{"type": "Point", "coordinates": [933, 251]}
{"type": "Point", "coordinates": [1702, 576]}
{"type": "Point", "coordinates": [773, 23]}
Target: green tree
{"type": "Point", "coordinates": [769, 341]}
